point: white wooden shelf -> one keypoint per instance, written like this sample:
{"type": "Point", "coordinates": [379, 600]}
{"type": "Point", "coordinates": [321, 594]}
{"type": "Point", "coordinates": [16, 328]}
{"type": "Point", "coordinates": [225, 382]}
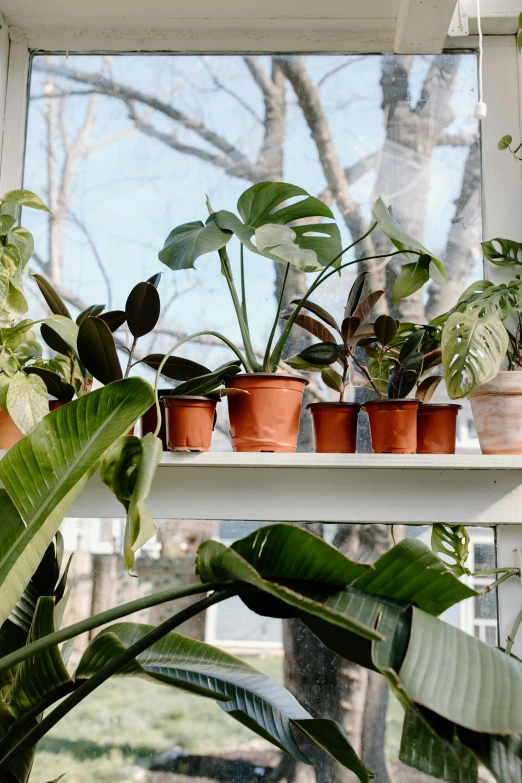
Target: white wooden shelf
{"type": "Point", "coordinates": [366, 488]}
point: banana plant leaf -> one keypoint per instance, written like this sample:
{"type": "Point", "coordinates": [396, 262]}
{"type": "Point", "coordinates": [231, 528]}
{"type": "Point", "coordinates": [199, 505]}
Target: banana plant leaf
{"type": "Point", "coordinates": [128, 469]}
{"type": "Point", "coordinates": [21, 767]}
{"type": "Point", "coordinates": [244, 693]}
{"type": "Point", "coordinates": [501, 755]}
{"type": "Point", "coordinates": [47, 470]}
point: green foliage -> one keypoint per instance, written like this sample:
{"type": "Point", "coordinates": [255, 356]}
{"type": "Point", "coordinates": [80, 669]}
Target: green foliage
{"type": "Point", "coordinates": [503, 252]}
{"type": "Point", "coordinates": [452, 541]}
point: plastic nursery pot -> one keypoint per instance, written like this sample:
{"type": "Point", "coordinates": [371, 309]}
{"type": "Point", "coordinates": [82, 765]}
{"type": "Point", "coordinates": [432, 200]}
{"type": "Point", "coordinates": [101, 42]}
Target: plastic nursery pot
{"type": "Point", "coordinates": [267, 418]}
{"type": "Point", "coordinates": [150, 419]}
{"type": "Point", "coordinates": [393, 425]}
{"type": "Point", "coordinates": [189, 422]}
{"type": "Point", "coordinates": [9, 432]}
{"type": "Point", "coordinates": [335, 426]}
{"type": "Point", "coordinates": [437, 428]}
{"type": "Point", "coordinates": [497, 411]}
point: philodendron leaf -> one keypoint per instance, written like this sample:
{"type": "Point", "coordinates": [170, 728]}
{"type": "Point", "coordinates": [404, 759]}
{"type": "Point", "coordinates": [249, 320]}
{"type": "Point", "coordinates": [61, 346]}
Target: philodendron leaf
{"type": "Point", "coordinates": [97, 351]}
{"type": "Point", "coordinates": [128, 469]}
{"type": "Point", "coordinates": [405, 242]}
{"type": "Point", "coordinates": [27, 401]}
{"type": "Point", "coordinates": [176, 367]}
{"type": "Point", "coordinates": [44, 472]}
{"type": "Point", "coordinates": [185, 244]}
{"type": "Point", "coordinates": [25, 198]}
{"type": "Point", "coordinates": [493, 708]}
{"type": "Point", "coordinates": [245, 694]}
{"type": "Point", "coordinates": [503, 252]}
{"type": "Point", "coordinates": [6, 224]}
{"type": "Point", "coordinates": [143, 309]}
{"type": "Point", "coordinates": [451, 541]}
{"type": "Point", "coordinates": [53, 299]}
{"type": "Point", "coordinates": [472, 351]}
{"type": "Point", "coordinates": [23, 241]}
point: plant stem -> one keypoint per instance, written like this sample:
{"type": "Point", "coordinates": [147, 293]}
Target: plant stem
{"type": "Point", "coordinates": [102, 618]}
{"type": "Point", "coordinates": [111, 668]}
{"type": "Point", "coordinates": [131, 356]}
{"type": "Point", "coordinates": [365, 371]}
{"type": "Point", "coordinates": [266, 361]}
{"type": "Point", "coordinates": [178, 344]}
{"type": "Point", "coordinates": [498, 582]}
{"type": "Point", "coordinates": [251, 364]}
{"type": "Point", "coordinates": [512, 636]}
{"type": "Point", "coordinates": [243, 285]}
{"type": "Point", "coordinates": [494, 571]}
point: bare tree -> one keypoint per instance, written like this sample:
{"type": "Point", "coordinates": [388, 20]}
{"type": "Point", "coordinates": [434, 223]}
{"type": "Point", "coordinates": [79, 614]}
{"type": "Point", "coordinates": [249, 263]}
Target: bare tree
{"type": "Point", "coordinates": [412, 133]}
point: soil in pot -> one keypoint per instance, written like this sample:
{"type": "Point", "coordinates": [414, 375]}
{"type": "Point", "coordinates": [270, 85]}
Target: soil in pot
{"type": "Point", "coordinates": [393, 425]}
{"type": "Point", "coordinates": [150, 419]}
{"type": "Point", "coordinates": [497, 411]}
{"type": "Point", "coordinates": [189, 422]}
{"type": "Point", "coordinates": [267, 418]}
{"type": "Point", "coordinates": [437, 428]}
{"type": "Point", "coordinates": [335, 426]}
{"type": "Point", "coordinates": [9, 432]}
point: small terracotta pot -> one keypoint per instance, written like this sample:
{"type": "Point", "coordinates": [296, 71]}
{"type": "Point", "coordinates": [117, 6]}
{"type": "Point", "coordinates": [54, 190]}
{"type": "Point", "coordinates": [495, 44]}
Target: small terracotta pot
{"type": "Point", "coordinates": [335, 426]}
{"type": "Point", "coordinates": [9, 432]}
{"type": "Point", "coordinates": [150, 419]}
{"type": "Point", "coordinates": [267, 418]}
{"type": "Point", "coordinates": [497, 410]}
{"type": "Point", "coordinates": [393, 425]}
{"type": "Point", "coordinates": [437, 428]}
{"type": "Point", "coordinates": [189, 422]}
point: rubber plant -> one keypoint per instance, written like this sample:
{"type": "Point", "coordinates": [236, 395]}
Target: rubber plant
{"type": "Point", "coordinates": [382, 616]}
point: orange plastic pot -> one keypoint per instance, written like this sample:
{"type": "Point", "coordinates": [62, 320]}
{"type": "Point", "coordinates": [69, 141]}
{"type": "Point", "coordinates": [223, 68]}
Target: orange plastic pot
{"type": "Point", "coordinates": [189, 422]}
{"type": "Point", "coordinates": [150, 419]}
{"type": "Point", "coordinates": [335, 426]}
{"type": "Point", "coordinates": [9, 432]}
{"type": "Point", "coordinates": [437, 428]}
{"type": "Point", "coordinates": [393, 426]}
{"type": "Point", "coordinates": [267, 418]}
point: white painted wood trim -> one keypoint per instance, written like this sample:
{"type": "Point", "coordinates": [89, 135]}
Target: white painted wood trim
{"type": "Point", "coordinates": [4, 64]}
{"type": "Point", "coordinates": [422, 26]}
{"type": "Point", "coordinates": [13, 143]}
{"type": "Point", "coordinates": [509, 539]}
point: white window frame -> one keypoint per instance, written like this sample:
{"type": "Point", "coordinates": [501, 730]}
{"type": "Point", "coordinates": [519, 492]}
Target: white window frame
{"type": "Point", "coordinates": [502, 216]}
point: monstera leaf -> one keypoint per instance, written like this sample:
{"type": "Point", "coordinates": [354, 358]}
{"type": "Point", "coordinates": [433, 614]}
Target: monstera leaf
{"type": "Point", "coordinates": [472, 351]}
{"type": "Point", "coordinates": [265, 218]}
{"type": "Point", "coordinates": [503, 252]}
{"type": "Point", "coordinates": [482, 297]}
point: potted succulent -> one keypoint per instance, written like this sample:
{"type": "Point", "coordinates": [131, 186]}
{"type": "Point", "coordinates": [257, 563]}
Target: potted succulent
{"type": "Point", "coordinates": [481, 334]}
{"type": "Point", "coordinates": [268, 418]}
{"type": "Point", "coordinates": [335, 423]}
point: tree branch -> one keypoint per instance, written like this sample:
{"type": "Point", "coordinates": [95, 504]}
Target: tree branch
{"type": "Point", "coordinates": [101, 266]}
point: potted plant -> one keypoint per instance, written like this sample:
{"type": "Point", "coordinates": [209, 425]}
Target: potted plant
{"type": "Point", "coordinates": [436, 422]}
{"type": "Point", "coordinates": [268, 419]}
{"type": "Point", "coordinates": [335, 423]}
{"type": "Point", "coordinates": [480, 335]}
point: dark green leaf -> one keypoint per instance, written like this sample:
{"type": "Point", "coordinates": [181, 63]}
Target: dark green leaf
{"type": "Point", "coordinates": [53, 382]}
{"type": "Point", "coordinates": [54, 300]}
{"type": "Point", "coordinates": [185, 244]}
{"type": "Point", "coordinates": [312, 326]}
{"type": "Point", "coordinates": [319, 311]}
{"type": "Point", "coordinates": [355, 294]}
{"type": "Point", "coordinates": [176, 368]}
{"type": "Point", "coordinates": [385, 329]}
{"type": "Point", "coordinates": [502, 755]}
{"type": "Point", "coordinates": [20, 768]}
{"type": "Point", "coordinates": [61, 334]}
{"type": "Point", "coordinates": [205, 384]}
{"type": "Point", "coordinates": [503, 252]}
{"type": "Point", "coordinates": [350, 327]}
{"type": "Point", "coordinates": [91, 310]}
{"type": "Point", "coordinates": [143, 309]}
{"type": "Point", "coordinates": [332, 379]}
{"type": "Point", "coordinates": [412, 344]}
{"type": "Point", "coordinates": [404, 376]}
{"type": "Point", "coordinates": [321, 354]}
{"type": "Point", "coordinates": [114, 319]}
{"type": "Point", "coordinates": [427, 388]}
{"type": "Point", "coordinates": [155, 279]}
{"type": "Point", "coordinates": [97, 351]}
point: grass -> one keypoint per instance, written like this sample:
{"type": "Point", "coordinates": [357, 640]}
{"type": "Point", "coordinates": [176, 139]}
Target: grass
{"type": "Point", "coordinates": [128, 721]}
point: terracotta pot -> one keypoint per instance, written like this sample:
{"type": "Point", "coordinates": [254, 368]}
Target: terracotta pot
{"type": "Point", "coordinates": [189, 422]}
{"type": "Point", "coordinates": [497, 410]}
{"type": "Point", "coordinates": [267, 418]}
{"type": "Point", "coordinates": [437, 428]}
{"type": "Point", "coordinates": [393, 426]}
{"type": "Point", "coordinates": [9, 432]}
{"type": "Point", "coordinates": [150, 419]}
{"type": "Point", "coordinates": [335, 426]}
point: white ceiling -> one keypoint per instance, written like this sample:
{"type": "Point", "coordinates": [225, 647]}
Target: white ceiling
{"type": "Point", "coordinates": [416, 26]}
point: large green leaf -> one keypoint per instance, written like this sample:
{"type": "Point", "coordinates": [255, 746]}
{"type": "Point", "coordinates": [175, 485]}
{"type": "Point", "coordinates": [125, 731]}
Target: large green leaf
{"type": "Point", "coordinates": [411, 572]}
{"type": "Point", "coordinates": [443, 663]}
{"type": "Point", "coordinates": [483, 297]}
{"type": "Point", "coordinates": [27, 401]}
{"type": "Point", "coordinates": [128, 469]}
{"type": "Point", "coordinates": [185, 244]}
{"type": "Point", "coordinates": [472, 351]}
{"type": "Point", "coordinates": [422, 749]}
{"type": "Point", "coordinates": [244, 693]}
{"type": "Point", "coordinates": [45, 471]}
{"type": "Point", "coordinates": [501, 754]}
{"type": "Point", "coordinates": [25, 198]}
{"type": "Point", "coordinates": [264, 203]}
